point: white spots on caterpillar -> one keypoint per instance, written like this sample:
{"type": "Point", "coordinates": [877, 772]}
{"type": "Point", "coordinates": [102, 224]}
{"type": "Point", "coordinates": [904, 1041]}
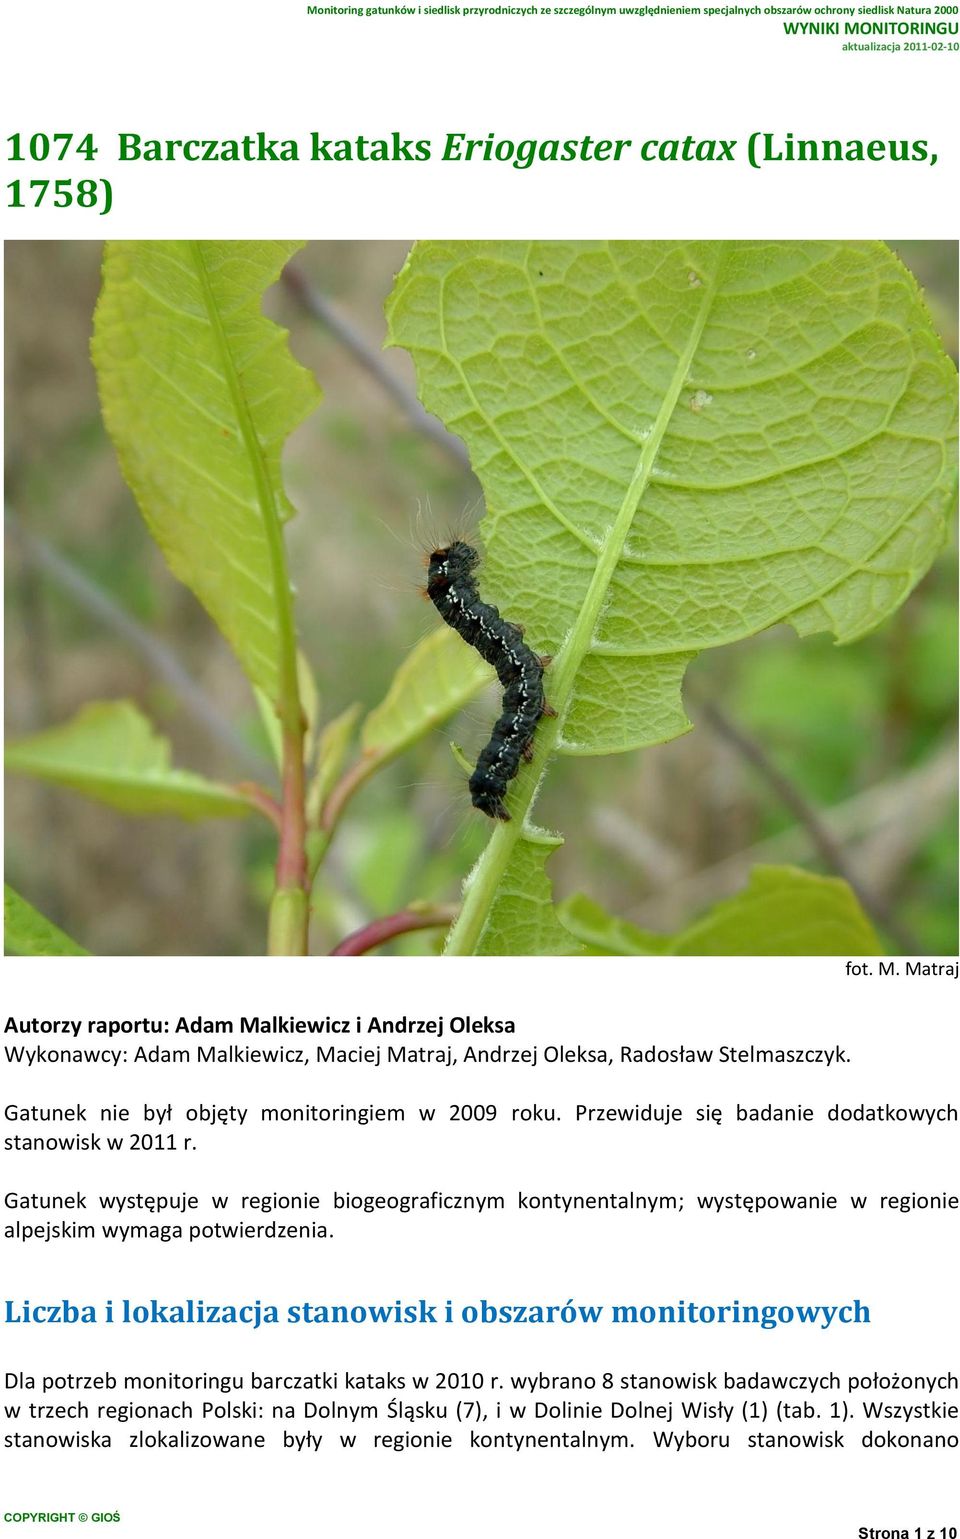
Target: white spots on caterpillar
{"type": "Point", "coordinates": [700, 400]}
{"type": "Point", "coordinates": [452, 588]}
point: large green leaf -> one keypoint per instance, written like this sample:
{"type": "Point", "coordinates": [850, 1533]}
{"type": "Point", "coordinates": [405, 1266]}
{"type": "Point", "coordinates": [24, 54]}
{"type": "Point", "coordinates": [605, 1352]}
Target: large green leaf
{"type": "Point", "coordinates": [783, 912]}
{"type": "Point", "coordinates": [680, 445]}
{"type": "Point", "coordinates": [109, 751]}
{"type": "Point", "coordinates": [28, 933]}
{"type": "Point", "coordinates": [199, 394]}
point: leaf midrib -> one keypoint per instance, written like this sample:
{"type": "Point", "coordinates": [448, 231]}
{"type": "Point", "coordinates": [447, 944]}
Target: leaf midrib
{"type": "Point", "coordinates": [485, 879]}
{"type": "Point", "coordinates": [288, 705]}
{"type": "Point", "coordinates": [581, 635]}
{"type": "Point", "coordinates": [170, 781]}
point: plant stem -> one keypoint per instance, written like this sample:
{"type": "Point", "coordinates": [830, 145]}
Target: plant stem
{"type": "Point", "coordinates": [289, 910]}
{"type": "Point", "coordinates": [260, 798]}
{"type": "Point", "coordinates": [348, 784]}
{"type": "Point", "coordinates": [379, 931]}
{"type": "Point", "coordinates": [318, 838]}
{"type": "Point", "coordinates": [291, 859]}
{"type": "Point", "coordinates": [287, 929]}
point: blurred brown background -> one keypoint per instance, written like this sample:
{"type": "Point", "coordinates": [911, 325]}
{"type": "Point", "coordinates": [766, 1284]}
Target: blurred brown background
{"type": "Point", "coordinates": [861, 738]}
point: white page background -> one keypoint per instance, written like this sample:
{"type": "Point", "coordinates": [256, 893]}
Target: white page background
{"type": "Point", "coordinates": [901, 1266]}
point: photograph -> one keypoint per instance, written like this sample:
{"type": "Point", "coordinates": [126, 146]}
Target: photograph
{"type": "Point", "coordinates": [481, 598]}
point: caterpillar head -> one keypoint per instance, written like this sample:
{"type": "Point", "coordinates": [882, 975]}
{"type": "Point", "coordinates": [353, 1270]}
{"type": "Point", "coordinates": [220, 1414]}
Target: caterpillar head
{"type": "Point", "coordinates": [450, 564]}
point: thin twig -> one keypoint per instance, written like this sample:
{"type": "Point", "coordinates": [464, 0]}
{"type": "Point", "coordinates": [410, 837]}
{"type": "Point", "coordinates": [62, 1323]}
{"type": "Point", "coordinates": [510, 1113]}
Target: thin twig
{"type": "Point", "coordinates": [263, 801]}
{"type": "Point", "coordinates": [379, 931]}
{"type": "Point", "coordinates": [348, 784]}
{"type": "Point", "coordinates": [827, 846]}
{"type": "Point", "coordinates": [94, 601]}
{"type": "Point", "coordinates": [903, 810]}
{"type": "Point", "coordinates": [320, 308]}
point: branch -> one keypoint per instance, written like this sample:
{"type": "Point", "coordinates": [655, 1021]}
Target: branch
{"type": "Point", "coordinates": [315, 304]}
{"type": "Point", "coordinates": [263, 801]}
{"type": "Point", "coordinates": [94, 601]}
{"type": "Point", "coordinates": [823, 840]}
{"type": "Point", "coordinates": [346, 787]}
{"type": "Point", "coordinates": [379, 931]}
{"type": "Point", "coordinates": [910, 806]}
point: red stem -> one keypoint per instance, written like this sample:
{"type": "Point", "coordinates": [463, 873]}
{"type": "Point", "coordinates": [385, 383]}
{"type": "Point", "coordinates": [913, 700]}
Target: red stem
{"type": "Point", "coordinates": [345, 787]}
{"type": "Point", "coordinates": [292, 858]}
{"type": "Point", "coordinates": [379, 931]}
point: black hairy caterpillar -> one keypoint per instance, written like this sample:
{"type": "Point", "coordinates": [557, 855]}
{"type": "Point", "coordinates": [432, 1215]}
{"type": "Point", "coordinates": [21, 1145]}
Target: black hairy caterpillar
{"type": "Point", "coordinates": [452, 588]}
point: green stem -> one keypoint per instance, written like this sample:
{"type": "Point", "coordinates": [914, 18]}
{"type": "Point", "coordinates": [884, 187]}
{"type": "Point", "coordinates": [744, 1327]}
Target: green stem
{"type": "Point", "coordinates": [482, 884]}
{"type": "Point", "coordinates": [260, 798]}
{"type": "Point", "coordinates": [287, 930]}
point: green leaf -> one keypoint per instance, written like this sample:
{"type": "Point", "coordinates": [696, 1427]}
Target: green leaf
{"type": "Point", "coordinates": [310, 705]}
{"type": "Point", "coordinates": [523, 920]}
{"type": "Point", "coordinates": [27, 933]}
{"type": "Point", "coordinates": [331, 751]}
{"type": "Point", "coordinates": [270, 722]}
{"type": "Point", "coordinates": [199, 394]}
{"type": "Point", "coordinates": [603, 935]}
{"type": "Point", "coordinates": [783, 912]}
{"type": "Point", "coordinates": [680, 444]}
{"type": "Point", "coordinates": [110, 752]}
{"type": "Point", "coordinates": [438, 677]}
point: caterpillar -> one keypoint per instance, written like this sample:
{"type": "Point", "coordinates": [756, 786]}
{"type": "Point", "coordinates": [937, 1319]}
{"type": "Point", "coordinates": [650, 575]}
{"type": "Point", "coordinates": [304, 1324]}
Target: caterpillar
{"type": "Point", "coordinates": [452, 589]}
